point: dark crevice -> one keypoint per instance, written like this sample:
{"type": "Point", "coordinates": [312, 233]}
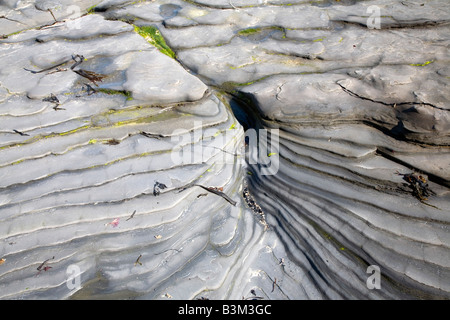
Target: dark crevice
{"type": "Point", "coordinates": [393, 25]}
{"type": "Point", "coordinates": [319, 263]}
{"type": "Point", "coordinates": [246, 112]}
{"type": "Point", "coordinates": [396, 283]}
{"type": "Point", "coordinates": [353, 94]}
{"type": "Point", "coordinates": [13, 20]}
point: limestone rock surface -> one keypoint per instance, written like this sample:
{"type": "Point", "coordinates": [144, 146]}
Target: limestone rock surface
{"type": "Point", "coordinates": [116, 119]}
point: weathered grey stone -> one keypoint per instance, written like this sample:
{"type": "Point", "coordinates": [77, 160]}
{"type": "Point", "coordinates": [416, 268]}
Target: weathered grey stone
{"type": "Point", "coordinates": [153, 77]}
{"type": "Point", "coordinates": [31, 14]}
{"type": "Point", "coordinates": [360, 104]}
{"type": "Point", "coordinates": [87, 151]}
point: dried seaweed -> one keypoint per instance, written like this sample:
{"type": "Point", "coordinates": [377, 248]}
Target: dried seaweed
{"type": "Point", "coordinates": [92, 76]}
{"type": "Point", "coordinates": [52, 99]}
{"type": "Point", "coordinates": [44, 266]}
{"type": "Point", "coordinates": [55, 100]}
{"type": "Point", "coordinates": [419, 186]}
{"type": "Point", "coordinates": [158, 187]}
{"type": "Point", "coordinates": [251, 203]}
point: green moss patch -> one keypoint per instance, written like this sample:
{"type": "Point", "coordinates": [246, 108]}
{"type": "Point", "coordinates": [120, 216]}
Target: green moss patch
{"type": "Point", "coordinates": [252, 31]}
{"type": "Point", "coordinates": [111, 91]}
{"type": "Point", "coordinates": [421, 64]}
{"type": "Point", "coordinates": [249, 31]}
{"type": "Point", "coordinates": [154, 37]}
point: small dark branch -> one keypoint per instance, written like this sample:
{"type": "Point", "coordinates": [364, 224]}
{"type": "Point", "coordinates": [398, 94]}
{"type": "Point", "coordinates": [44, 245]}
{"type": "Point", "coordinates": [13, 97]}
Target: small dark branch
{"type": "Point", "coordinates": [77, 63]}
{"type": "Point", "coordinates": [274, 283]}
{"type": "Point", "coordinates": [137, 262]}
{"type": "Point", "coordinates": [47, 69]}
{"type": "Point", "coordinates": [132, 215]}
{"type": "Point", "coordinates": [217, 192]}
{"type": "Point", "coordinates": [20, 132]}
{"type": "Point", "coordinates": [48, 26]}
{"type": "Point", "coordinates": [49, 10]}
{"type": "Point", "coordinates": [202, 195]}
{"type": "Point", "coordinates": [57, 70]}
{"type": "Point", "coordinates": [151, 135]}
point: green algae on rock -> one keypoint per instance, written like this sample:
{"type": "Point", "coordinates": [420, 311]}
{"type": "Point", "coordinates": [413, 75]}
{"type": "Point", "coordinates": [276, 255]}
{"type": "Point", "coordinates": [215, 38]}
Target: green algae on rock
{"type": "Point", "coordinates": [153, 36]}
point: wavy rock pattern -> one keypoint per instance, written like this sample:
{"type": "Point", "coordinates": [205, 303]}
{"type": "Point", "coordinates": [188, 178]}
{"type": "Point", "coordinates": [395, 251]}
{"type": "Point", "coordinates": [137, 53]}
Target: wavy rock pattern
{"type": "Point", "coordinates": [73, 172]}
{"type": "Point", "coordinates": [80, 163]}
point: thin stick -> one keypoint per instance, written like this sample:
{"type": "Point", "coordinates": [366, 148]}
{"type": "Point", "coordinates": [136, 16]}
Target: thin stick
{"type": "Point", "coordinates": [20, 132]}
{"type": "Point", "coordinates": [137, 260]}
{"type": "Point", "coordinates": [52, 15]}
{"type": "Point", "coordinates": [219, 193]}
{"type": "Point", "coordinates": [132, 215]}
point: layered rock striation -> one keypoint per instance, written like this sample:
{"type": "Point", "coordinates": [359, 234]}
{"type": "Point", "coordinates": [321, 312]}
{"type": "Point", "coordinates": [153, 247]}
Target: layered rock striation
{"type": "Point", "coordinates": [128, 150]}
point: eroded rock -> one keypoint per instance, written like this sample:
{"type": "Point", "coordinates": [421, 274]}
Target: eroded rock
{"type": "Point", "coordinates": [360, 104]}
